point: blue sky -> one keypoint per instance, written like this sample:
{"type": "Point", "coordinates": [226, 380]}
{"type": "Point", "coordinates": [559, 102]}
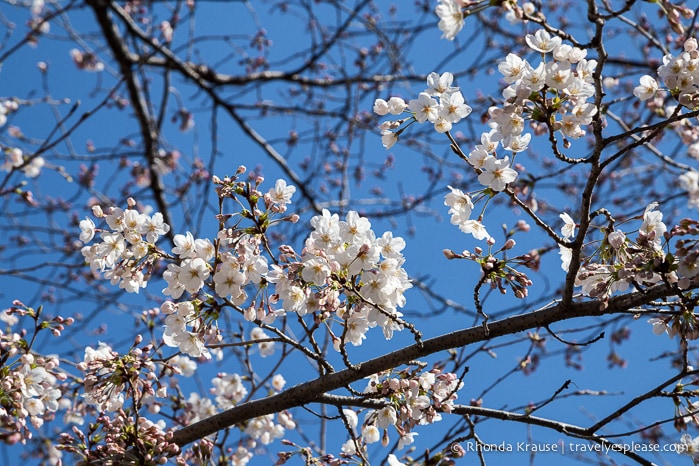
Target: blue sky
{"type": "Point", "coordinates": [427, 230]}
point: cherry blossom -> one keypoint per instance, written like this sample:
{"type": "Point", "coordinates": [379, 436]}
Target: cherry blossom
{"type": "Point", "coordinates": [541, 41]}
{"type": "Point", "coordinates": [497, 173]}
{"type": "Point", "coordinates": [451, 20]}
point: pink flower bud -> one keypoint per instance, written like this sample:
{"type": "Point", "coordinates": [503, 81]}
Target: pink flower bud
{"type": "Point", "coordinates": [449, 254]}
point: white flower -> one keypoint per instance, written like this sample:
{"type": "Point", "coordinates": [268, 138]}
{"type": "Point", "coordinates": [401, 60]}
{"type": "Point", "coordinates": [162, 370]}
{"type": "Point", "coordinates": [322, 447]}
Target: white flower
{"type": "Point", "coordinates": [388, 138]}
{"type": "Point", "coordinates": [689, 181]}
{"type": "Point", "coordinates": [425, 108]}
{"type": "Point", "coordinates": [542, 41]}
{"type": "Point", "coordinates": [315, 269]}
{"type": "Point", "coordinates": [474, 227]}
{"type": "Point", "coordinates": [133, 220]}
{"type": "Point", "coordinates": [229, 390]}
{"type": "Point", "coordinates": [566, 256]}
{"type": "Point", "coordinates": [192, 274]}
{"type": "Point", "coordinates": [111, 247]}
{"type": "Point", "coordinates": [660, 327]}
{"type": "Point", "coordinates": [266, 348]}
{"type": "Point", "coordinates": [34, 406]}
{"type": "Point", "coordinates": [389, 246]}
{"type": "Point", "coordinates": [371, 434]}
{"type": "Point", "coordinates": [87, 230]}
{"type": "Point", "coordinates": [33, 168]}
{"type": "Point", "coordinates": [357, 326]}
{"type": "Point", "coordinates": [517, 143]}
{"type": "Point", "coordinates": [616, 239]}
{"type": "Point", "coordinates": [184, 245]}
{"type": "Point", "coordinates": [229, 280]}
{"type": "Point", "coordinates": [460, 205]}
{"type": "Point", "coordinates": [351, 416]}
{"type": "Point", "coordinates": [278, 382]}
{"type": "Point", "coordinates": [396, 105]}
{"type": "Point", "coordinates": [380, 107]}
{"type": "Point", "coordinates": [392, 460]}
{"type": "Point", "coordinates": [438, 85]}
{"type": "Point", "coordinates": [534, 79]}
{"type": "Point", "coordinates": [281, 193]}
{"type": "Point", "coordinates": [653, 226]}
{"type": "Point", "coordinates": [452, 107]}
{"type": "Point", "coordinates": [568, 229]}
{"type": "Point", "coordinates": [451, 20]}
{"type": "Point", "coordinates": [512, 68]}
{"type": "Point", "coordinates": [191, 344]}
{"type": "Point", "coordinates": [184, 364]}
{"type": "Point", "coordinates": [647, 88]}
{"type": "Point", "coordinates": [442, 125]}
{"type": "Point", "coordinates": [154, 227]}
{"type": "Point", "coordinates": [689, 446]}
{"type": "Point", "coordinates": [406, 439]}
{"type": "Point", "coordinates": [386, 417]}
{"type": "Point", "coordinates": [559, 75]}
{"type": "Point", "coordinates": [477, 158]}
{"type": "Point", "coordinates": [497, 174]}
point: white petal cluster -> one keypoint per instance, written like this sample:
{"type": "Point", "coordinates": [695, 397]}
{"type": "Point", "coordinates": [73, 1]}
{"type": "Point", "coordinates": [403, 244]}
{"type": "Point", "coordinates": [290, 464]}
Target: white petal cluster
{"type": "Point", "coordinates": [228, 390]}
{"type": "Point", "coordinates": [38, 390]}
{"type": "Point", "coordinates": [265, 430]}
{"type": "Point", "coordinates": [689, 446]}
{"type": "Point", "coordinates": [619, 269]}
{"type": "Point", "coordinates": [110, 398]}
{"type": "Point", "coordinates": [344, 257]}
{"type": "Point", "coordinates": [183, 329]}
{"type": "Point", "coordinates": [278, 197]}
{"type": "Point", "coordinates": [460, 207]}
{"type": "Point", "coordinates": [679, 74]}
{"type": "Point", "coordinates": [415, 400]}
{"type": "Point", "coordinates": [126, 250]}
{"type": "Point", "coordinates": [568, 76]}
{"type": "Point", "coordinates": [15, 159]}
{"type": "Point", "coordinates": [7, 107]}
{"type": "Point", "coordinates": [441, 104]}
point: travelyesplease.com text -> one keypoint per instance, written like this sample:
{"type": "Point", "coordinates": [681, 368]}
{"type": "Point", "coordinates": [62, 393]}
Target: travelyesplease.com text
{"type": "Point", "coordinates": [563, 448]}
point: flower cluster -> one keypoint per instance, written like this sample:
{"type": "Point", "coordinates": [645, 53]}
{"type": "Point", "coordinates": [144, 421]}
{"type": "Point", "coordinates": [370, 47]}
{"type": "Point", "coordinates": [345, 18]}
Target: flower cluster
{"type": "Point", "coordinates": [127, 249]}
{"type": "Point", "coordinates": [228, 390]}
{"type": "Point", "coordinates": [554, 92]}
{"type": "Point", "coordinates": [186, 330]}
{"type": "Point", "coordinates": [451, 13]}
{"type": "Point", "coordinates": [615, 267]}
{"type": "Point", "coordinates": [441, 104]}
{"type": "Point", "coordinates": [7, 107]}
{"type": "Point", "coordinates": [412, 399]}
{"type": "Point", "coordinates": [111, 378]}
{"type": "Point", "coordinates": [346, 257]}
{"type": "Point", "coordinates": [30, 389]}
{"type": "Point", "coordinates": [460, 207]}
{"type": "Point", "coordinates": [680, 74]}
{"type": "Point", "coordinates": [148, 445]}
{"type": "Point", "coordinates": [193, 268]}
{"type": "Point", "coordinates": [14, 158]}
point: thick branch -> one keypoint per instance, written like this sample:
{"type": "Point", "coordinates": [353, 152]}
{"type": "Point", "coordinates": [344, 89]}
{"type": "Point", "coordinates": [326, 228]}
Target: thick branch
{"type": "Point", "coordinates": [309, 392]}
